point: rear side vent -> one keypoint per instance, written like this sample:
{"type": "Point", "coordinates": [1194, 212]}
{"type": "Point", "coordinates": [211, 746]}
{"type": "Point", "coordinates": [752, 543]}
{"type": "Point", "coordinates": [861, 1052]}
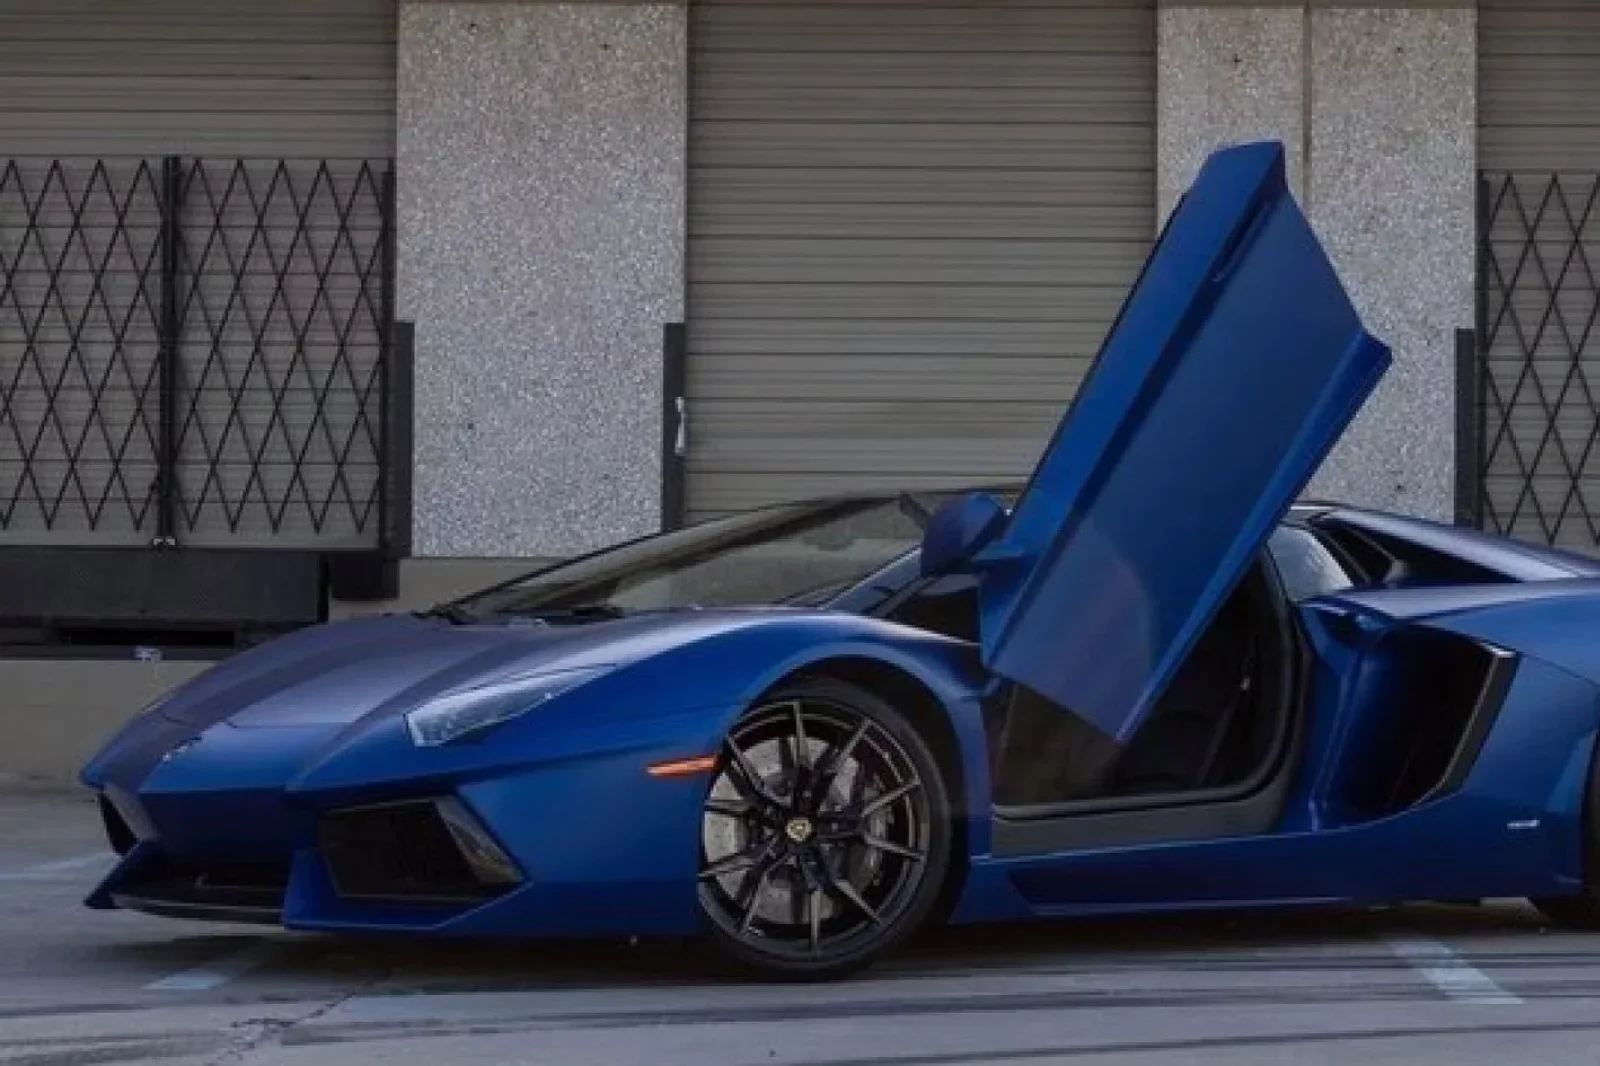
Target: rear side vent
{"type": "Point", "coordinates": [1419, 734]}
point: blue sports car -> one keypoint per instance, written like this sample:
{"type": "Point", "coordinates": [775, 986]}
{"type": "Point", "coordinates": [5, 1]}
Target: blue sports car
{"type": "Point", "coordinates": [1148, 679]}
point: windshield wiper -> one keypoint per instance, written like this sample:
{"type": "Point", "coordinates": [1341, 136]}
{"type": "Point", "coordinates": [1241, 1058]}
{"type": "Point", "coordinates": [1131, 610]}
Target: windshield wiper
{"type": "Point", "coordinates": [596, 612]}
{"type": "Point", "coordinates": [453, 613]}
{"type": "Point", "coordinates": [914, 509]}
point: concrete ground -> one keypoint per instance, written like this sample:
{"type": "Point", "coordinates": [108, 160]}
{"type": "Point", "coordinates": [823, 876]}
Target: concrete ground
{"type": "Point", "coordinates": [1417, 986]}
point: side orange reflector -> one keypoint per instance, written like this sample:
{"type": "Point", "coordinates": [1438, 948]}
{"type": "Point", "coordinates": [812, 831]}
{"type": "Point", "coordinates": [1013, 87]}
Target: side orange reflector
{"type": "Point", "coordinates": [683, 767]}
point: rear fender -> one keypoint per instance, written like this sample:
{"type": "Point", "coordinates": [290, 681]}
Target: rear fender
{"type": "Point", "coordinates": [1521, 735]}
{"type": "Point", "coordinates": [1562, 631]}
{"type": "Point", "coordinates": [1557, 622]}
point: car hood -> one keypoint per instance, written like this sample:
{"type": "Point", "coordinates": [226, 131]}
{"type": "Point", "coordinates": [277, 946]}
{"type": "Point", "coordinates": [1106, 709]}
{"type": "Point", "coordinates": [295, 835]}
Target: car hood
{"type": "Point", "coordinates": [339, 673]}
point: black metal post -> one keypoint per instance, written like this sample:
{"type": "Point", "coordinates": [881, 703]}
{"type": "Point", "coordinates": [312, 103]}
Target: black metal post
{"type": "Point", "coordinates": [167, 366]}
{"type": "Point", "coordinates": [386, 347]}
{"type": "Point", "coordinates": [1468, 475]}
{"type": "Point", "coordinates": [1478, 391]}
{"type": "Point", "coordinates": [398, 454]}
{"type": "Point", "coordinates": [674, 424]}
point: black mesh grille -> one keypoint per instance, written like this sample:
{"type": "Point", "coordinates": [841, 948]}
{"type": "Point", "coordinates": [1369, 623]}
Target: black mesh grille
{"type": "Point", "coordinates": [196, 351]}
{"type": "Point", "coordinates": [402, 851]}
{"type": "Point", "coordinates": [179, 883]}
{"type": "Point", "coordinates": [1538, 381]}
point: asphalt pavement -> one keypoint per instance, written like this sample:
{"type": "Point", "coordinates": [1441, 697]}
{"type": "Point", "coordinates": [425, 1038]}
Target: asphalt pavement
{"type": "Point", "coordinates": [1417, 986]}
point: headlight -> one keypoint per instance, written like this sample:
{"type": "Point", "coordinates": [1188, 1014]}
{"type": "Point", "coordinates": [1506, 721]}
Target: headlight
{"type": "Point", "coordinates": [447, 718]}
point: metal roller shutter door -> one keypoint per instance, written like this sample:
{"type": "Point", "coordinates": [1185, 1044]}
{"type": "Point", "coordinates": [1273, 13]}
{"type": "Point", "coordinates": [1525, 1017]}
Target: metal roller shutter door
{"type": "Point", "coordinates": [909, 226]}
{"type": "Point", "coordinates": [1539, 150]}
{"type": "Point", "coordinates": [258, 78]}
{"type": "Point", "coordinates": [282, 116]}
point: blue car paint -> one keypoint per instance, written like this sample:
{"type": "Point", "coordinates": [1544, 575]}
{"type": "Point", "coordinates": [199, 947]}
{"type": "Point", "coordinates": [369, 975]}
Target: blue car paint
{"type": "Point", "coordinates": [1513, 828]}
{"type": "Point", "coordinates": [1514, 559]}
{"type": "Point", "coordinates": [1473, 844]}
{"type": "Point", "coordinates": [261, 786]}
{"type": "Point", "coordinates": [269, 740]}
{"type": "Point", "coordinates": [1559, 624]}
{"type": "Point", "coordinates": [1237, 362]}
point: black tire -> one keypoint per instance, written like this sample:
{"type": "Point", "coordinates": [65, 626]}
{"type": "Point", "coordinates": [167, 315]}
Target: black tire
{"type": "Point", "coordinates": [837, 849]}
{"type": "Point", "coordinates": [1582, 911]}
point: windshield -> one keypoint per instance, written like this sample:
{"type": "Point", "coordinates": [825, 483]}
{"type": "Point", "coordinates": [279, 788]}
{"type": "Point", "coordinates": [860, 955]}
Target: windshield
{"type": "Point", "coordinates": [799, 554]}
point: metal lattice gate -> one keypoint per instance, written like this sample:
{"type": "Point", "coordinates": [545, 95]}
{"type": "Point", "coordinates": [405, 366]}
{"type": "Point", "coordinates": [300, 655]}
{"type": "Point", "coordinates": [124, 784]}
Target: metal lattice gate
{"type": "Point", "coordinates": [1538, 402]}
{"type": "Point", "coordinates": [195, 352]}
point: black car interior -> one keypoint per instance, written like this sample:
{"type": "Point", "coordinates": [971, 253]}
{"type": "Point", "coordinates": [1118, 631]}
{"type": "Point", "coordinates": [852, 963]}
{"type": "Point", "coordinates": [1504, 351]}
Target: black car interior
{"type": "Point", "coordinates": [1213, 728]}
{"type": "Point", "coordinates": [1209, 730]}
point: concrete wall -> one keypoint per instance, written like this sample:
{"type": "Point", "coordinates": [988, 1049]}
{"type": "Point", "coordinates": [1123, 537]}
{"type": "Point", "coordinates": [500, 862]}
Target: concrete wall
{"type": "Point", "coordinates": [1378, 108]}
{"type": "Point", "coordinates": [58, 712]}
{"type": "Point", "coordinates": [540, 177]}
{"type": "Point", "coordinates": [1225, 75]}
{"type": "Point", "coordinates": [425, 582]}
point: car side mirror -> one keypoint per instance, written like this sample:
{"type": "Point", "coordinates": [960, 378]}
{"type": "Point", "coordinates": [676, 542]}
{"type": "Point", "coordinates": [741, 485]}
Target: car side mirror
{"type": "Point", "coordinates": [959, 530]}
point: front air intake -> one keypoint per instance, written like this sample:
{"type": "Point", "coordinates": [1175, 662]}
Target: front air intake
{"type": "Point", "coordinates": [415, 851]}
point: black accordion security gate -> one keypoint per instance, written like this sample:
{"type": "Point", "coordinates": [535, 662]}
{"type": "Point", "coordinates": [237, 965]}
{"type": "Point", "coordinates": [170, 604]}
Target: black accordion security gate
{"type": "Point", "coordinates": [1535, 397]}
{"type": "Point", "coordinates": [200, 355]}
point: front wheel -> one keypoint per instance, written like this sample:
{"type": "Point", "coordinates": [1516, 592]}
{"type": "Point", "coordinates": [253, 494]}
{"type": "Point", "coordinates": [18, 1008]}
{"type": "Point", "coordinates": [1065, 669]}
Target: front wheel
{"type": "Point", "coordinates": [826, 833]}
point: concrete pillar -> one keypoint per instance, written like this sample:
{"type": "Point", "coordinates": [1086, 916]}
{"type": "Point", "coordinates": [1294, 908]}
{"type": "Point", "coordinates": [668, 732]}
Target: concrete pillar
{"type": "Point", "coordinates": [541, 187]}
{"type": "Point", "coordinates": [1377, 106]}
{"type": "Point", "coordinates": [1226, 75]}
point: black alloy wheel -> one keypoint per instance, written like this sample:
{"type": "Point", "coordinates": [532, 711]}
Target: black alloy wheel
{"type": "Point", "coordinates": [826, 833]}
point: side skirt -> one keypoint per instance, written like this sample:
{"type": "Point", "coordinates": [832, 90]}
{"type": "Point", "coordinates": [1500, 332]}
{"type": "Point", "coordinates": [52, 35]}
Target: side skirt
{"type": "Point", "coordinates": [1019, 833]}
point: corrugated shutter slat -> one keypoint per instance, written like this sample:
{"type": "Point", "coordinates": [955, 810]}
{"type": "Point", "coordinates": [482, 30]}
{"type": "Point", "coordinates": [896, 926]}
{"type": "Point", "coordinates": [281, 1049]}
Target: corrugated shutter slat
{"type": "Point", "coordinates": [909, 227]}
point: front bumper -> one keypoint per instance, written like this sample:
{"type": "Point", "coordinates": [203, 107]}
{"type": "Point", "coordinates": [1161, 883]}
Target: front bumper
{"type": "Point", "coordinates": [428, 853]}
{"type": "Point", "coordinates": [584, 845]}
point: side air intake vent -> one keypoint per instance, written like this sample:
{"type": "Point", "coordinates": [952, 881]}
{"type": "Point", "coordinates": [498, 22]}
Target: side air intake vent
{"type": "Point", "coordinates": [1421, 730]}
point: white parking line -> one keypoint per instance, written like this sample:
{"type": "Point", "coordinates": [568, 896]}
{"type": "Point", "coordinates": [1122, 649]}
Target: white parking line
{"type": "Point", "coordinates": [72, 864]}
{"type": "Point", "coordinates": [1449, 972]}
{"type": "Point", "coordinates": [44, 871]}
{"type": "Point", "coordinates": [218, 972]}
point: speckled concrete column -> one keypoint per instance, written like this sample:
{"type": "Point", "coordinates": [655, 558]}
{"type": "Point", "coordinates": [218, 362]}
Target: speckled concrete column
{"type": "Point", "coordinates": [1393, 147]}
{"type": "Point", "coordinates": [1226, 75]}
{"type": "Point", "coordinates": [541, 234]}
{"type": "Point", "coordinates": [1377, 109]}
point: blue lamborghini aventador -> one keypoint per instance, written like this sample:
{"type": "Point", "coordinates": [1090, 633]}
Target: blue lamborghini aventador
{"type": "Point", "coordinates": [1147, 679]}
